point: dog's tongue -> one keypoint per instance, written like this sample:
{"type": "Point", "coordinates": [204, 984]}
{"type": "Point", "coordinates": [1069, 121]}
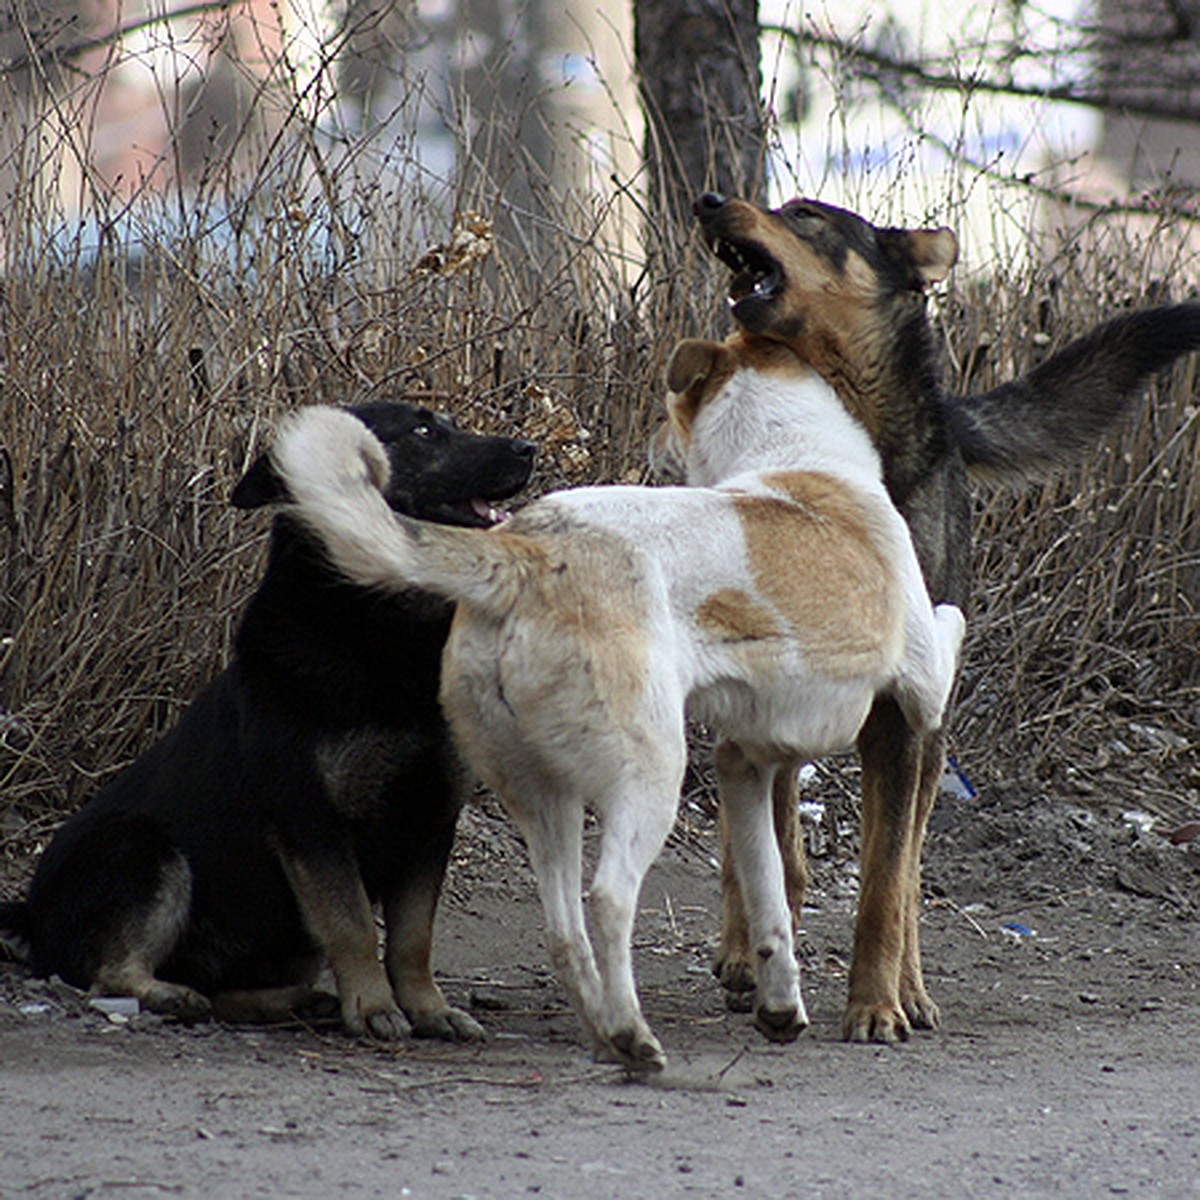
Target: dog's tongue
{"type": "Point", "coordinates": [485, 512]}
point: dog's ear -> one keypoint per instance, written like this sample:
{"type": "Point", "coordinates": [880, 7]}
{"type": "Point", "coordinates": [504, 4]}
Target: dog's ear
{"type": "Point", "coordinates": [929, 253]}
{"type": "Point", "coordinates": [261, 485]}
{"type": "Point", "coordinates": [693, 359]}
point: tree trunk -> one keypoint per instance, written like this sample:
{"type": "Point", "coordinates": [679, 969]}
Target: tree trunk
{"type": "Point", "coordinates": [700, 85]}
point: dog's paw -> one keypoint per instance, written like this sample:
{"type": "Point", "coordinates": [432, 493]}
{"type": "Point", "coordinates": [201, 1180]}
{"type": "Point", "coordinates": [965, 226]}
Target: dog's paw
{"type": "Point", "coordinates": [448, 1024]}
{"type": "Point", "coordinates": [381, 1024]}
{"type": "Point", "coordinates": [920, 1009]}
{"type": "Point", "coordinates": [316, 1006]}
{"type": "Point", "coordinates": [884, 1023]}
{"type": "Point", "coordinates": [638, 1051]}
{"type": "Point", "coordinates": [175, 1000]}
{"type": "Point", "coordinates": [783, 1025]}
{"type": "Point", "coordinates": [736, 976]}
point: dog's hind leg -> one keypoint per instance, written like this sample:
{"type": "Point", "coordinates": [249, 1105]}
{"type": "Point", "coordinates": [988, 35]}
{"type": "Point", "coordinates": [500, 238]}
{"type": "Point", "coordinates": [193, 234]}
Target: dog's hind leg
{"type": "Point", "coordinates": [733, 965]}
{"type": "Point", "coordinates": [553, 832]}
{"type": "Point", "coordinates": [746, 797]}
{"type": "Point", "coordinates": [893, 760]}
{"type": "Point", "coordinates": [277, 1006]}
{"type": "Point", "coordinates": [637, 818]}
{"type": "Point", "coordinates": [142, 940]}
{"type": "Point", "coordinates": [915, 1000]}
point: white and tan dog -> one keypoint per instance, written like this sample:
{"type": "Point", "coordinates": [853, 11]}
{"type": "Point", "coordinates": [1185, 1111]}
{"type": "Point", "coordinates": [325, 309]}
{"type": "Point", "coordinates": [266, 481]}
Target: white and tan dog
{"type": "Point", "coordinates": [773, 601]}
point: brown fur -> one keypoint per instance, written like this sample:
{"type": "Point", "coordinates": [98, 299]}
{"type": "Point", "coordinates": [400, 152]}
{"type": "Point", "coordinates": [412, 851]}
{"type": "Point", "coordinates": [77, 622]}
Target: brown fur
{"type": "Point", "coordinates": [841, 569]}
{"type": "Point", "coordinates": [847, 297]}
{"type": "Point", "coordinates": [735, 616]}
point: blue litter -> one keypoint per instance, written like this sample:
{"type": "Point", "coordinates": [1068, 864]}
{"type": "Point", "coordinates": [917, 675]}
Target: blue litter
{"type": "Point", "coordinates": [1016, 930]}
{"type": "Point", "coordinates": [955, 782]}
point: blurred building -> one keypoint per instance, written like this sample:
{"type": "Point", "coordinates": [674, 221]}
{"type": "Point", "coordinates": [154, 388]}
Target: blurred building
{"type": "Point", "coordinates": [129, 98]}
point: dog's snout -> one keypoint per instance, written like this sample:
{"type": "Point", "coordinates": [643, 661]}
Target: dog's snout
{"type": "Point", "coordinates": [709, 203]}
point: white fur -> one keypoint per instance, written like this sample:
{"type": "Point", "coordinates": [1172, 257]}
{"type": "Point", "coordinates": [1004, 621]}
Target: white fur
{"type": "Point", "coordinates": [581, 637]}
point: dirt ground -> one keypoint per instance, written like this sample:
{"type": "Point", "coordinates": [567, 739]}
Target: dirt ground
{"type": "Point", "coordinates": [1067, 1064]}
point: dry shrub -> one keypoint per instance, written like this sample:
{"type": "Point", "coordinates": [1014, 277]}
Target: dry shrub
{"type": "Point", "coordinates": [1083, 659]}
{"type": "Point", "coordinates": [148, 351]}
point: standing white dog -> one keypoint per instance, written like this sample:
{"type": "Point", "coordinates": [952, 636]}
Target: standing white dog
{"type": "Point", "coordinates": [773, 601]}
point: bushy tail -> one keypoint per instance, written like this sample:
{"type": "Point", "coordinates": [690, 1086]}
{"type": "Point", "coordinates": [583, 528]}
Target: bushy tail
{"type": "Point", "coordinates": [333, 467]}
{"type": "Point", "coordinates": [1051, 416]}
{"type": "Point", "coordinates": [15, 931]}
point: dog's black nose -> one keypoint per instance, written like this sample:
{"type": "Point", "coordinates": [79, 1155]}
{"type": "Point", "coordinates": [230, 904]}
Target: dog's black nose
{"type": "Point", "coordinates": [524, 449]}
{"type": "Point", "coordinates": [709, 203]}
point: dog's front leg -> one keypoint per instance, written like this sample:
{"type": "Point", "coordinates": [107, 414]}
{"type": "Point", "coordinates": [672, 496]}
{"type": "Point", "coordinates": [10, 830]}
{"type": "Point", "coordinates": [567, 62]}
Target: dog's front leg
{"type": "Point", "coordinates": [409, 911]}
{"type": "Point", "coordinates": [892, 759]}
{"type": "Point", "coordinates": [733, 964]}
{"type": "Point", "coordinates": [338, 916]}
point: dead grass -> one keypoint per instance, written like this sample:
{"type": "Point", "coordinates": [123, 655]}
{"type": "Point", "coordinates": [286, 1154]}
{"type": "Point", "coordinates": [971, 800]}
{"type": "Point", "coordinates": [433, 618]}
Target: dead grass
{"type": "Point", "coordinates": [147, 354]}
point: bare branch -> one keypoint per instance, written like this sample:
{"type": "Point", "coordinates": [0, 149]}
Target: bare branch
{"type": "Point", "coordinates": [873, 65]}
{"type": "Point", "coordinates": [54, 54]}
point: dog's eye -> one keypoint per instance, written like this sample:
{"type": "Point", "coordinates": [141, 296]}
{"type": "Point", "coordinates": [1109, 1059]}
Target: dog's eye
{"type": "Point", "coordinates": [421, 431]}
{"type": "Point", "coordinates": [799, 211]}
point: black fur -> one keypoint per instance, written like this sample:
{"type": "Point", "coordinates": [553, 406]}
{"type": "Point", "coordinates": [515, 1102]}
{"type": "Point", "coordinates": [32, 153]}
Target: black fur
{"type": "Point", "coordinates": [1053, 415]}
{"type": "Point", "coordinates": [320, 749]}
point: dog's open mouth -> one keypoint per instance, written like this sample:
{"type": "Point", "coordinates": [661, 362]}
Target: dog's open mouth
{"type": "Point", "coordinates": [755, 273]}
{"type": "Point", "coordinates": [477, 513]}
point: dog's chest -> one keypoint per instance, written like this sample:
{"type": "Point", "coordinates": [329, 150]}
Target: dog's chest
{"type": "Point", "coordinates": [360, 768]}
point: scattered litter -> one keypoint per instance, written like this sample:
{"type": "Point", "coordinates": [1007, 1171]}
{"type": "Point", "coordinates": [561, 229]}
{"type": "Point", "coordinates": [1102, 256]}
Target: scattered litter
{"type": "Point", "coordinates": [955, 782]}
{"type": "Point", "coordinates": [1017, 931]}
{"type": "Point", "coordinates": [1138, 821]}
{"type": "Point", "coordinates": [964, 912]}
{"type": "Point", "coordinates": [116, 1006]}
{"type": "Point", "coordinates": [807, 774]}
{"type": "Point", "coordinates": [34, 1009]}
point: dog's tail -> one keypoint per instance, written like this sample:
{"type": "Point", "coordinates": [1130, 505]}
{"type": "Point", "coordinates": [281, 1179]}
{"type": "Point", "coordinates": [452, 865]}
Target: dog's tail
{"type": "Point", "coordinates": [16, 933]}
{"type": "Point", "coordinates": [334, 468]}
{"type": "Point", "coordinates": [1052, 415]}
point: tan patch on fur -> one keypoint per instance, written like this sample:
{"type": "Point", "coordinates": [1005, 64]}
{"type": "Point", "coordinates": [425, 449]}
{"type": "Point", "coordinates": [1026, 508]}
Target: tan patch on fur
{"type": "Point", "coordinates": [587, 587]}
{"type": "Point", "coordinates": [814, 558]}
{"type": "Point", "coordinates": [733, 616]}
{"type": "Point", "coordinates": [699, 369]}
{"type": "Point", "coordinates": [838, 318]}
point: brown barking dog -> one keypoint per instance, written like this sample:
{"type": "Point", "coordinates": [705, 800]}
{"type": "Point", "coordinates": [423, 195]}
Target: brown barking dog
{"type": "Point", "coordinates": [775, 600]}
{"type": "Point", "coordinates": [848, 299]}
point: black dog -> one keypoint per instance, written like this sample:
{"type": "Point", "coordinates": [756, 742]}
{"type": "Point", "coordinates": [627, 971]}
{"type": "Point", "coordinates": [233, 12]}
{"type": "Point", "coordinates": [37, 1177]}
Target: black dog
{"type": "Point", "coordinates": [313, 776]}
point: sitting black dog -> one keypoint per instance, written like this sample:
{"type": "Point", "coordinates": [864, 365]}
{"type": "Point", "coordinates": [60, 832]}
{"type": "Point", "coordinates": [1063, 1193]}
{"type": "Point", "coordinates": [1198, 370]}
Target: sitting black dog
{"type": "Point", "coordinates": [312, 777]}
